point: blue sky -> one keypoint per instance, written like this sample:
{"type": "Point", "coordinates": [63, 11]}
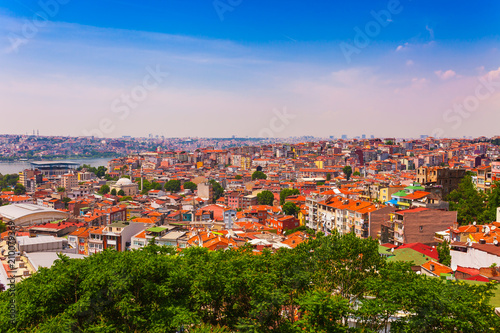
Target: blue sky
{"type": "Point", "coordinates": [233, 65]}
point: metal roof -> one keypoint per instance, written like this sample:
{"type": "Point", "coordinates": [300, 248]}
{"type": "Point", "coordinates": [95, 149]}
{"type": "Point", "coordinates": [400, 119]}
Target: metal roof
{"type": "Point", "coordinates": [17, 211]}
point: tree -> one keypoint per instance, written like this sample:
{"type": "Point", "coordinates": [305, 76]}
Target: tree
{"type": "Point", "coordinates": [356, 173]}
{"type": "Point", "coordinates": [328, 177]}
{"type": "Point", "coordinates": [126, 198]}
{"type": "Point", "coordinates": [100, 171]}
{"type": "Point", "coordinates": [468, 202]}
{"type": "Point", "coordinates": [3, 227]}
{"type": "Point", "coordinates": [265, 198]}
{"type": "Point", "coordinates": [323, 312]}
{"type": "Point", "coordinates": [190, 186]}
{"type": "Point", "coordinates": [328, 280]}
{"type": "Point", "coordinates": [286, 192]}
{"type": "Point", "coordinates": [290, 208]}
{"type": "Point", "coordinates": [113, 192]}
{"type": "Point", "coordinates": [19, 189]}
{"type": "Point", "coordinates": [492, 203]}
{"type": "Point", "coordinates": [173, 185]}
{"type": "Point", "coordinates": [121, 192]}
{"type": "Point", "coordinates": [217, 189]}
{"type": "Point", "coordinates": [104, 189]}
{"type": "Point", "coordinates": [443, 250]}
{"type": "Point", "coordinates": [258, 175]}
{"type": "Point", "coordinates": [238, 177]}
{"type": "Point", "coordinates": [347, 171]}
{"type": "Point", "coordinates": [60, 189]}
{"type": "Point", "coordinates": [66, 200]}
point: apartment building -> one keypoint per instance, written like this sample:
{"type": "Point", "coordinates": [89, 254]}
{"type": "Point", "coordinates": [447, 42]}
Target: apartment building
{"type": "Point", "coordinates": [447, 178]}
{"type": "Point", "coordinates": [483, 178]}
{"type": "Point", "coordinates": [68, 181]}
{"type": "Point", "coordinates": [418, 225]}
{"type": "Point", "coordinates": [341, 214]}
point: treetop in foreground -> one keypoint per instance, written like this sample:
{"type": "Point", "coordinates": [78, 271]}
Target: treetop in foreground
{"type": "Point", "coordinates": [328, 284]}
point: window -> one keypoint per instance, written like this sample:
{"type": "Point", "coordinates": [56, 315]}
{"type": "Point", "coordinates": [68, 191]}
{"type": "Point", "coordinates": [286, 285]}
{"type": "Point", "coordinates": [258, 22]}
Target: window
{"type": "Point", "coordinates": [421, 228]}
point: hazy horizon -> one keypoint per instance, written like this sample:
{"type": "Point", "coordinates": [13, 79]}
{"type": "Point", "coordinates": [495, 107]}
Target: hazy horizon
{"type": "Point", "coordinates": [384, 68]}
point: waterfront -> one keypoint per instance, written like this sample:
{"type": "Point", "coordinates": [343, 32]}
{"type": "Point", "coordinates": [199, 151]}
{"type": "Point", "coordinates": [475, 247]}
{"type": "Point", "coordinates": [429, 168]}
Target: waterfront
{"type": "Point", "coordinates": [15, 167]}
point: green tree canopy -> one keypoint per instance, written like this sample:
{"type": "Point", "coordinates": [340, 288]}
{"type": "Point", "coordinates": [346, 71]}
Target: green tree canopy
{"type": "Point", "coordinates": [443, 250]}
{"type": "Point", "coordinates": [121, 192]}
{"type": "Point", "coordinates": [319, 286]}
{"type": "Point", "coordinates": [217, 188]}
{"type": "Point", "coordinates": [190, 186]}
{"type": "Point", "coordinates": [113, 192]}
{"type": "Point", "coordinates": [265, 198]}
{"type": "Point", "coordinates": [104, 189]}
{"type": "Point", "coordinates": [148, 186]}
{"type": "Point", "coordinates": [7, 181]}
{"type": "Point", "coordinates": [286, 192]}
{"type": "Point", "coordinates": [347, 171]}
{"type": "Point", "coordinates": [258, 175]}
{"type": "Point", "coordinates": [290, 208]}
{"type": "Point", "coordinates": [19, 189]}
{"type": "Point", "coordinates": [469, 203]}
{"type": "Point", "coordinates": [173, 185]}
{"type": "Point", "coordinates": [66, 200]}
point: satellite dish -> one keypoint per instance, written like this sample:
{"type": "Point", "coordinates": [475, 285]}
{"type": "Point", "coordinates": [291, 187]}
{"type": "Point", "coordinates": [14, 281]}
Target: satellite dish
{"type": "Point", "coordinates": [392, 250]}
{"type": "Point", "coordinates": [486, 231]}
{"type": "Point", "coordinates": [493, 227]}
{"type": "Point", "coordinates": [474, 223]}
{"type": "Point", "coordinates": [495, 242]}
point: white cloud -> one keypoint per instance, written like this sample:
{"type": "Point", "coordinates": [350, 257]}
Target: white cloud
{"type": "Point", "coordinates": [409, 62]}
{"type": "Point", "coordinates": [445, 75]}
{"type": "Point", "coordinates": [494, 74]}
{"type": "Point", "coordinates": [431, 31]}
{"type": "Point", "coordinates": [401, 47]}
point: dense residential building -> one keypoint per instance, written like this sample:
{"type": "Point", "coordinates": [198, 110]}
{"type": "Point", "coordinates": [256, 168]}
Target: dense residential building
{"type": "Point", "coordinates": [416, 225]}
{"type": "Point", "coordinates": [446, 178]}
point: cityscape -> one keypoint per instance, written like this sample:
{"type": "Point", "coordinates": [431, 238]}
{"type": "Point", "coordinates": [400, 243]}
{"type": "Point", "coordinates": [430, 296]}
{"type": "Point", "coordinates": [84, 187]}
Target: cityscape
{"type": "Point", "coordinates": [233, 166]}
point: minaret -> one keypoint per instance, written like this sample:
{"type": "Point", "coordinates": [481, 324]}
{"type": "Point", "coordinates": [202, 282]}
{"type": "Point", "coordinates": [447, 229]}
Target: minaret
{"type": "Point", "coordinates": [142, 180]}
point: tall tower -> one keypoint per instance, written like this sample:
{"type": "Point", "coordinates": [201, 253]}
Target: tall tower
{"type": "Point", "coordinates": [142, 180]}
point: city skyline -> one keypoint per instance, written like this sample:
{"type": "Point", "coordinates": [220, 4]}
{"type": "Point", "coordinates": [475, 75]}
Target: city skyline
{"type": "Point", "coordinates": [388, 68]}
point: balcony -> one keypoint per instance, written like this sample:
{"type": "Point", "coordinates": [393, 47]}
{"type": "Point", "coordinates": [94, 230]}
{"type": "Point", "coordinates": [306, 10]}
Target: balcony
{"type": "Point", "coordinates": [398, 237]}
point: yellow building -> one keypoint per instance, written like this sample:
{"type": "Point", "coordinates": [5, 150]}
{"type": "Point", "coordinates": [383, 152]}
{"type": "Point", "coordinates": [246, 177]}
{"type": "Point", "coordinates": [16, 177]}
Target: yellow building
{"type": "Point", "coordinates": [385, 193]}
{"type": "Point", "coordinates": [319, 164]}
{"type": "Point", "coordinates": [302, 216]}
{"type": "Point", "coordinates": [246, 162]}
